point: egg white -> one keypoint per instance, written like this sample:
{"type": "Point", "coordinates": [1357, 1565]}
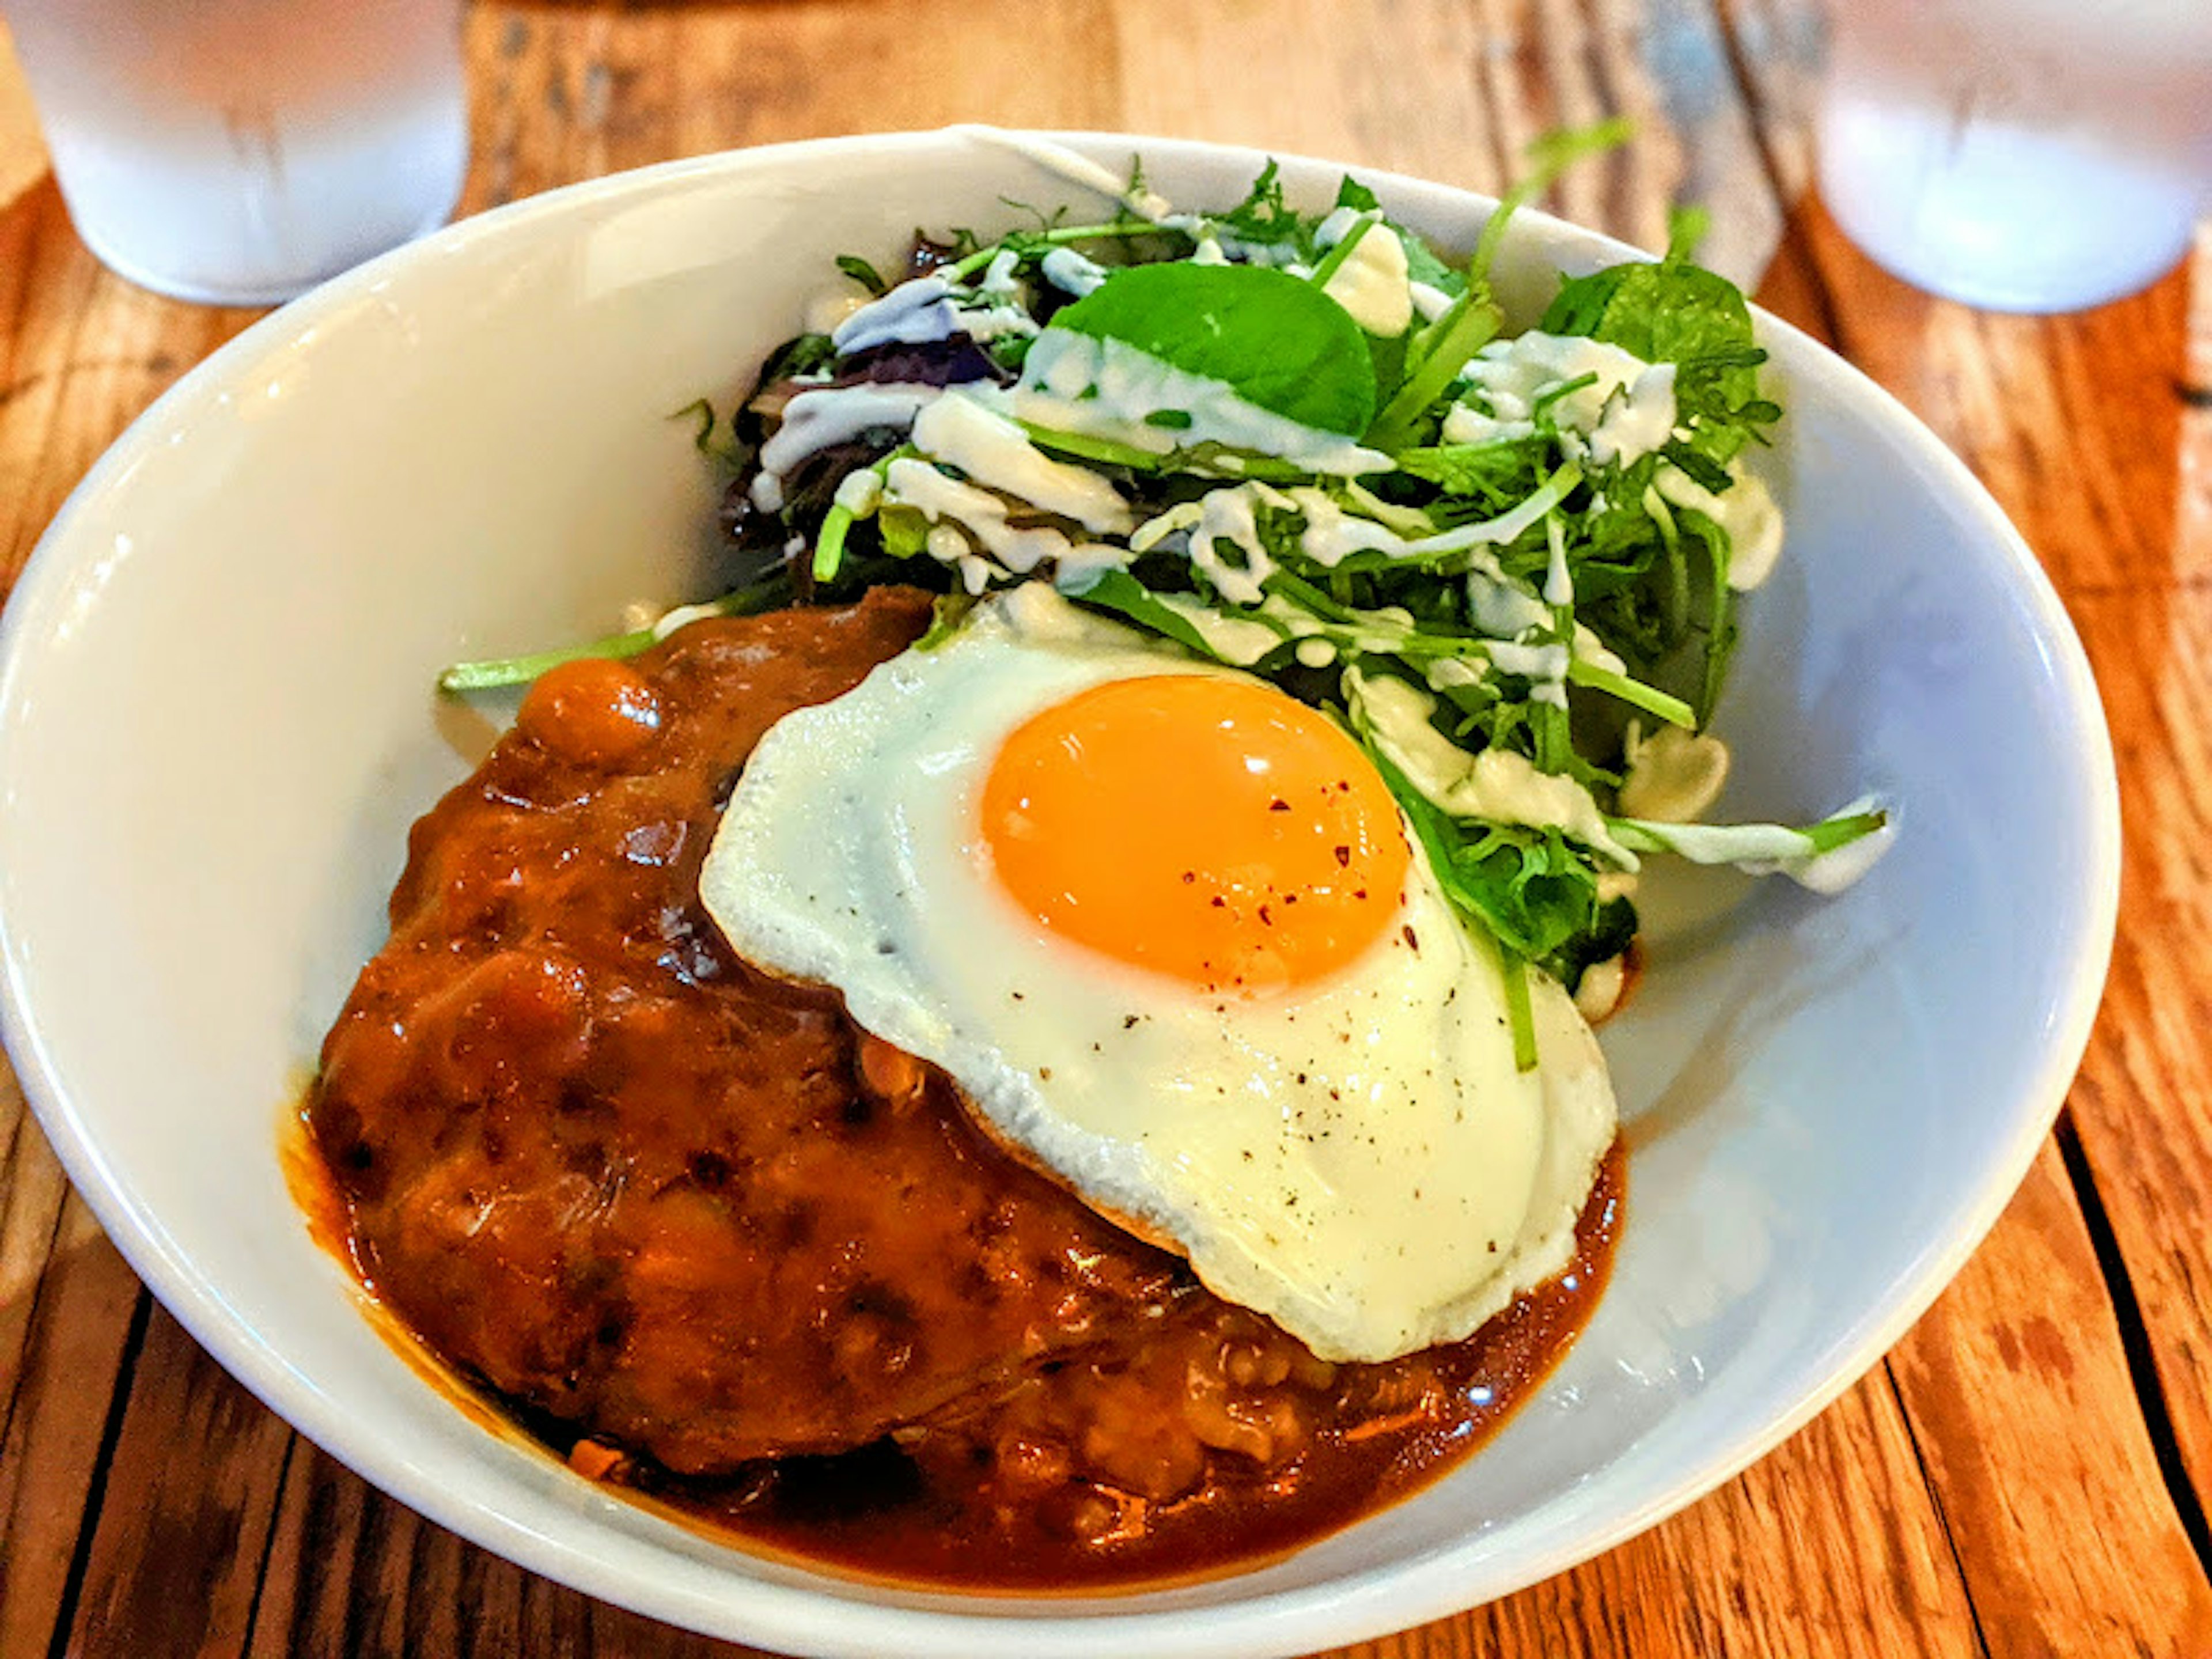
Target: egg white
{"type": "Point", "coordinates": [1358, 1159]}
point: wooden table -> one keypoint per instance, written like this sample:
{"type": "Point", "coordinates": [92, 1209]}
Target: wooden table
{"type": "Point", "coordinates": [2025, 1475]}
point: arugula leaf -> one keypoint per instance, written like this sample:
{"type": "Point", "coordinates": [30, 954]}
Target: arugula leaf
{"type": "Point", "coordinates": [863, 273]}
{"type": "Point", "coordinates": [1481, 469]}
{"type": "Point", "coordinates": [1687, 227]}
{"type": "Point", "coordinates": [1263, 217]}
{"type": "Point", "coordinates": [487, 674]}
{"type": "Point", "coordinates": [1756, 848]}
{"type": "Point", "coordinates": [1528, 889]}
{"type": "Point", "coordinates": [1680, 313]}
{"type": "Point", "coordinates": [1547, 157]}
{"type": "Point", "coordinates": [1120, 591]}
{"type": "Point", "coordinates": [1666, 312]}
{"type": "Point", "coordinates": [1278, 343]}
{"type": "Point", "coordinates": [946, 615]}
{"type": "Point", "coordinates": [1336, 259]}
{"type": "Point", "coordinates": [1433, 360]}
{"type": "Point", "coordinates": [1533, 890]}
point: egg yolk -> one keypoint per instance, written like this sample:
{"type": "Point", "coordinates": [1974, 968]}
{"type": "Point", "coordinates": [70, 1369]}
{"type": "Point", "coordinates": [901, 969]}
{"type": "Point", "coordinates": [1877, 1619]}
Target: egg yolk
{"type": "Point", "coordinates": [1205, 828]}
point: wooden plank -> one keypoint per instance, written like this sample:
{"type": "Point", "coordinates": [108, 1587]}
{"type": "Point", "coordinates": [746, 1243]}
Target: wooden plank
{"type": "Point", "coordinates": [71, 1360]}
{"type": "Point", "coordinates": [1834, 1538]}
{"type": "Point", "coordinates": [352, 1573]}
{"type": "Point", "coordinates": [22, 151]}
{"type": "Point", "coordinates": [2021, 1402]}
{"type": "Point", "coordinates": [1782, 1559]}
{"type": "Point", "coordinates": [33, 1190]}
{"type": "Point", "coordinates": [572, 93]}
{"type": "Point", "coordinates": [1432, 90]}
{"type": "Point", "coordinates": [185, 1510]}
{"type": "Point", "coordinates": [1809, 1551]}
{"type": "Point", "coordinates": [1456, 92]}
{"type": "Point", "coordinates": [2044, 1455]}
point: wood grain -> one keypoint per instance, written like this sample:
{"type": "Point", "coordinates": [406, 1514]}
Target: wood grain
{"type": "Point", "coordinates": [22, 151]}
{"type": "Point", "coordinates": [2017, 1480]}
{"type": "Point", "coordinates": [2076, 425]}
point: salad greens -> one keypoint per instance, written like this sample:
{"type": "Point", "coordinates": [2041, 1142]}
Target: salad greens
{"type": "Point", "coordinates": [1298, 443]}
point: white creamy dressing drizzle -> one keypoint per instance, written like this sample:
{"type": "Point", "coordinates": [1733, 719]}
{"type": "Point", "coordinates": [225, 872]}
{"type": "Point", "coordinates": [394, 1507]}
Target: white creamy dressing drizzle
{"type": "Point", "coordinates": [1746, 515]}
{"type": "Point", "coordinates": [1544, 666]}
{"type": "Point", "coordinates": [1373, 282]}
{"type": "Point", "coordinates": [1499, 606]}
{"type": "Point", "coordinates": [1072, 272]}
{"type": "Point", "coordinates": [1773, 849]}
{"type": "Point", "coordinates": [1227, 518]}
{"type": "Point", "coordinates": [1592, 650]}
{"type": "Point", "coordinates": [1625, 413]}
{"type": "Point", "coordinates": [918, 311]}
{"type": "Point", "coordinates": [1496, 784]}
{"type": "Point", "coordinates": [1558, 580]}
{"type": "Point", "coordinates": [1332, 535]}
{"type": "Point", "coordinates": [814, 420]}
{"type": "Point", "coordinates": [1429, 302]}
{"type": "Point", "coordinates": [1219, 535]}
{"type": "Point", "coordinates": [1673, 776]}
{"type": "Point", "coordinates": [997, 454]}
{"type": "Point", "coordinates": [1105, 388]}
{"type": "Point", "coordinates": [1238, 640]}
{"type": "Point", "coordinates": [983, 522]}
{"type": "Point", "coordinates": [860, 491]}
{"type": "Point", "coordinates": [1000, 280]}
{"type": "Point", "coordinates": [1444, 673]}
{"type": "Point", "coordinates": [926, 310]}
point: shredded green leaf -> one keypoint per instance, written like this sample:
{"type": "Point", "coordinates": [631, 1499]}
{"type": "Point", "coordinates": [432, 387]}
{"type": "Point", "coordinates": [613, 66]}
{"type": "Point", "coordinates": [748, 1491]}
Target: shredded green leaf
{"type": "Point", "coordinates": [1538, 598]}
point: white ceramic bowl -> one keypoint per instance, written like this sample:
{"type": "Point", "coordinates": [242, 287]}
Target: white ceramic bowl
{"type": "Point", "coordinates": [216, 722]}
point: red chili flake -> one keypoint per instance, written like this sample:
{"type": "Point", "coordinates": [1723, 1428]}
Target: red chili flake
{"type": "Point", "coordinates": [1266, 920]}
{"type": "Point", "coordinates": [1343, 857]}
{"type": "Point", "coordinates": [1412, 942]}
{"type": "Point", "coordinates": [1219, 903]}
{"type": "Point", "coordinates": [1190, 875]}
{"type": "Point", "coordinates": [1278, 804]}
{"type": "Point", "coordinates": [1359, 892]}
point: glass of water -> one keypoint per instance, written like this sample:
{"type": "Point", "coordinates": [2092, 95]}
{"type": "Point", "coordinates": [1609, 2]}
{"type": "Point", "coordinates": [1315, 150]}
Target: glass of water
{"type": "Point", "coordinates": [2020, 155]}
{"type": "Point", "coordinates": [240, 151]}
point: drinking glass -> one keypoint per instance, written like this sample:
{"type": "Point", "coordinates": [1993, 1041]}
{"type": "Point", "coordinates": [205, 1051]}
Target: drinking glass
{"type": "Point", "coordinates": [2019, 155]}
{"type": "Point", "coordinates": [240, 151]}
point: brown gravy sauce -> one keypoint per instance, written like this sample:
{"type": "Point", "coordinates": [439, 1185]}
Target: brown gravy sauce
{"type": "Point", "coordinates": [699, 1238]}
{"type": "Point", "coordinates": [866, 1516]}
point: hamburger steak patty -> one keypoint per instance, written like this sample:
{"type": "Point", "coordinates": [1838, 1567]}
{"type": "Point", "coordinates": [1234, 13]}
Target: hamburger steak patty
{"type": "Point", "coordinates": [715, 1243]}
{"type": "Point", "coordinates": [594, 1159]}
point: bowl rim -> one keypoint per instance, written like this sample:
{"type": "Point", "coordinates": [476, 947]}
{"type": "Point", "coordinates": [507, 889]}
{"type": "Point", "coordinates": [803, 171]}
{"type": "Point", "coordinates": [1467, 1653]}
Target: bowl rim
{"type": "Point", "coordinates": [1365, 1603]}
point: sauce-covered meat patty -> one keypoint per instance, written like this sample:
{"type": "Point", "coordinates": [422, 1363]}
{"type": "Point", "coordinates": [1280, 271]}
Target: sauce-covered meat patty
{"type": "Point", "coordinates": [750, 1259]}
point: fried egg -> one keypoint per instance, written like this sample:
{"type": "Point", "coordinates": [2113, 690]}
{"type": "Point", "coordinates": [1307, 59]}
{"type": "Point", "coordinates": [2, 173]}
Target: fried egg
{"type": "Point", "coordinates": [1167, 932]}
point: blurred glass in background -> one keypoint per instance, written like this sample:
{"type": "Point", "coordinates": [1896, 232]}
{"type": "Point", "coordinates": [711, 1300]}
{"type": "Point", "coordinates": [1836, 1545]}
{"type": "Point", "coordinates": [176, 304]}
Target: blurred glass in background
{"type": "Point", "coordinates": [240, 151]}
{"type": "Point", "coordinates": [2019, 155]}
